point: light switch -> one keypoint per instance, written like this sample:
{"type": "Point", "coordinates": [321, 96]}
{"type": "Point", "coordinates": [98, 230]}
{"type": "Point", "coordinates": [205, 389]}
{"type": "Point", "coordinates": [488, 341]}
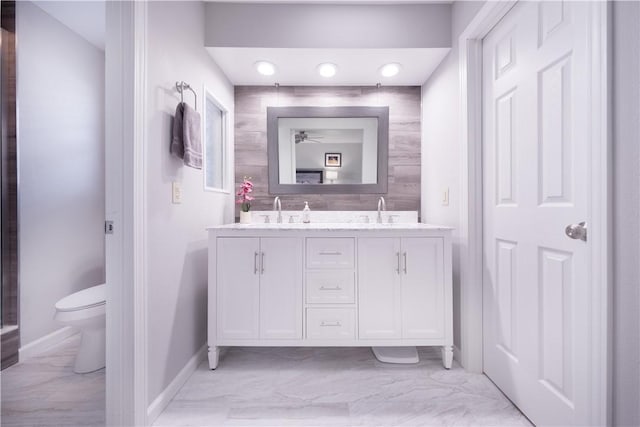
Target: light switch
{"type": "Point", "coordinates": [445, 197]}
{"type": "Point", "coordinates": [176, 192]}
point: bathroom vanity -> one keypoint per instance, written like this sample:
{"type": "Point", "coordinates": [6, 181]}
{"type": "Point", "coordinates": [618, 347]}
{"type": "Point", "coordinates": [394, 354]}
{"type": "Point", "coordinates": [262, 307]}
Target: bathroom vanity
{"type": "Point", "coordinates": [330, 284]}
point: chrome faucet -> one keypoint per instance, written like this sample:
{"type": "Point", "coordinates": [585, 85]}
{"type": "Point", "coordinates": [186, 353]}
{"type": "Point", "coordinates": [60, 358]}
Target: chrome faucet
{"type": "Point", "coordinates": [278, 206]}
{"type": "Point", "coordinates": [382, 206]}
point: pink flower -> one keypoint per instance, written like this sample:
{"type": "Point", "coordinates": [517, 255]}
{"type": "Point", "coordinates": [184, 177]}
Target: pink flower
{"type": "Point", "coordinates": [244, 198]}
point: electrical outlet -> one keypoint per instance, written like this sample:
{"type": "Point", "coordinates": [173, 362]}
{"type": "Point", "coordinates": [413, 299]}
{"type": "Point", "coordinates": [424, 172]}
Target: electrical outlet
{"type": "Point", "coordinates": [176, 192]}
{"type": "Point", "coordinates": [445, 197]}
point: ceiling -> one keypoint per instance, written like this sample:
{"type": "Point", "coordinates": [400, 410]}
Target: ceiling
{"type": "Point", "coordinates": [355, 66]}
{"type": "Point", "coordinates": [85, 18]}
{"type": "Point", "coordinates": [295, 66]}
{"type": "Point", "coordinates": [299, 35]}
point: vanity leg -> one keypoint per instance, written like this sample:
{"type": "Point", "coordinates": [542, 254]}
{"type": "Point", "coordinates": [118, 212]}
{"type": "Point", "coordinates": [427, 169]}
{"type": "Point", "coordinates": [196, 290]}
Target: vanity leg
{"type": "Point", "coordinates": [447, 356]}
{"type": "Point", "coordinates": [214, 357]}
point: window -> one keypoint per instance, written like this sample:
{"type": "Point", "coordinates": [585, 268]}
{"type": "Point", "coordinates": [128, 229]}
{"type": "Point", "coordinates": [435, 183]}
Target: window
{"type": "Point", "coordinates": [215, 144]}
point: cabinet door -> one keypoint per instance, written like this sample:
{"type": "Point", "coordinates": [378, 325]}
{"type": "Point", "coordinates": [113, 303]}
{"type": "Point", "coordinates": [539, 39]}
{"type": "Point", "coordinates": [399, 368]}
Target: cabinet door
{"type": "Point", "coordinates": [379, 288]}
{"type": "Point", "coordinates": [422, 287]}
{"type": "Point", "coordinates": [238, 288]}
{"type": "Point", "coordinates": [281, 288]}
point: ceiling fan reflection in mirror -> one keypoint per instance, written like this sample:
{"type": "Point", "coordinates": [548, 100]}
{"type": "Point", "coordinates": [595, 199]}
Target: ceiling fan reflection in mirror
{"type": "Point", "coordinates": [303, 136]}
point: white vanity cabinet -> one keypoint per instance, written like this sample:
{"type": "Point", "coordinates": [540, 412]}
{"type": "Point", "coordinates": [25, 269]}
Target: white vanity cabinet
{"type": "Point", "coordinates": [259, 294]}
{"type": "Point", "coordinates": [401, 288]}
{"type": "Point", "coordinates": [330, 285]}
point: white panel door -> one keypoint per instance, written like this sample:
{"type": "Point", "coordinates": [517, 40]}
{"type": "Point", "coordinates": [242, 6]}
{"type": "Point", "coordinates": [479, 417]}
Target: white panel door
{"type": "Point", "coordinates": [238, 278]}
{"type": "Point", "coordinates": [379, 288]}
{"type": "Point", "coordinates": [422, 288]}
{"type": "Point", "coordinates": [281, 288]}
{"type": "Point", "coordinates": [535, 90]}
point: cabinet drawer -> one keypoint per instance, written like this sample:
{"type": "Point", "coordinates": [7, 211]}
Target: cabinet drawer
{"type": "Point", "coordinates": [331, 287]}
{"type": "Point", "coordinates": [331, 323]}
{"type": "Point", "coordinates": [330, 252]}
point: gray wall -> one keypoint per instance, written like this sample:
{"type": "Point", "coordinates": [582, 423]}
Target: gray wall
{"type": "Point", "coordinates": [626, 212]}
{"type": "Point", "coordinates": [60, 87]}
{"type": "Point", "coordinates": [441, 151]}
{"type": "Point", "coordinates": [404, 141]}
{"type": "Point", "coordinates": [176, 245]}
{"type": "Point", "coordinates": [328, 25]}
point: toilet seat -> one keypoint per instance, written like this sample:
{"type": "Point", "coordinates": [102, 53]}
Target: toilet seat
{"type": "Point", "coordinates": [94, 296]}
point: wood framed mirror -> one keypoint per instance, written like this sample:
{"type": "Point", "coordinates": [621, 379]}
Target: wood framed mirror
{"type": "Point", "coordinates": [350, 145]}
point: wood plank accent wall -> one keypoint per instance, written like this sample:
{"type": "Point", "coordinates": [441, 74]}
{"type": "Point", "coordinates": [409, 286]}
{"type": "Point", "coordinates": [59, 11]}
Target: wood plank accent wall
{"type": "Point", "coordinates": [404, 103]}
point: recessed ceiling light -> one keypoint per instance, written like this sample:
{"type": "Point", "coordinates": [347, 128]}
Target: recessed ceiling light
{"type": "Point", "coordinates": [265, 68]}
{"type": "Point", "coordinates": [327, 69]}
{"type": "Point", "coordinates": [390, 70]}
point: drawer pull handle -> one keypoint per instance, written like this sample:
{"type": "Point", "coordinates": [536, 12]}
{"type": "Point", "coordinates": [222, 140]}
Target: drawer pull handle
{"type": "Point", "coordinates": [398, 265]}
{"type": "Point", "coordinates": [323, 324]}
{"type": "Point", "coordinates": [335, 288]}
{"type": "Point", "coordinates": [329, 253]}
{"type": "Point", "coordinates": [262, 263]}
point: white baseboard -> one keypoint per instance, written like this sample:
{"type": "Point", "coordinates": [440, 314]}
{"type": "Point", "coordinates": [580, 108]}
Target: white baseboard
{"type": "Point", "coordinates": [40, 345]}
{"type": "Point", "coordinates": [163, 399]}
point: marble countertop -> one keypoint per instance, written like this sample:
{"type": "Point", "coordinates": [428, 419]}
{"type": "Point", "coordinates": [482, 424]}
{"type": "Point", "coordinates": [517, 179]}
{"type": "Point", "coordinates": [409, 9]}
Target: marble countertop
{"type": "Point", "coordinates": [330, 226]}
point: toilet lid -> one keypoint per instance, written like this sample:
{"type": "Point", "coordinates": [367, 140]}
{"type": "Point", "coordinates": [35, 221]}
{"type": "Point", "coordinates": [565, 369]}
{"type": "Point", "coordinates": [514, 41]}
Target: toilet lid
{"type": "Point", "coordinates": [90, 297]}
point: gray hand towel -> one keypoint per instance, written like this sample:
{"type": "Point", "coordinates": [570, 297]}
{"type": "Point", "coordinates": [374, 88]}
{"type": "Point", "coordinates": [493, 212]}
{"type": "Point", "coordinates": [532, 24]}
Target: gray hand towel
{"type": "Point", "coordinates": [191, 136]}
{"type": "Point", "coordinates": [186, 142]}
{"type": "Point", "coordinates": [177, 140]}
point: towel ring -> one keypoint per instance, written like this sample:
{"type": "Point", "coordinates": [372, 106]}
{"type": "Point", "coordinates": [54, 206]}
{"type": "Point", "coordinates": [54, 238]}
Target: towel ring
{"type": "Point", "coordinates": [181, 86]}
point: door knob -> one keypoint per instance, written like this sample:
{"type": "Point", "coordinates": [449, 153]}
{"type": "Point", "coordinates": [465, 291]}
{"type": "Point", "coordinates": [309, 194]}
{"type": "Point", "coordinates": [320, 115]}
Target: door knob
{"type": "Point", "coordinates": [577, 231]}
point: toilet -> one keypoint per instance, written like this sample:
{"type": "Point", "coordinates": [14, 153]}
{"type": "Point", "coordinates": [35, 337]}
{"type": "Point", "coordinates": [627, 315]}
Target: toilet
{"type": "Point", "coordinates": [86, 310]}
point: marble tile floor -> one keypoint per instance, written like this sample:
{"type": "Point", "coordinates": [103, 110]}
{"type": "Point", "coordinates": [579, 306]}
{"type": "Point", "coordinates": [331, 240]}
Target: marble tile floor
{"type": "Point", "coordinates": [44, 391]}
{"type": "Point", "coordinates": [336, 387]}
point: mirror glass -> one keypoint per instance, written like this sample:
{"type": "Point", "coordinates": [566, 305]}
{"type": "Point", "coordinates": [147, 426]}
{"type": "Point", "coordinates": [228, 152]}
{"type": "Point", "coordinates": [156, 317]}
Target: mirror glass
{"type": "Point", "coordinates": [327, 149]}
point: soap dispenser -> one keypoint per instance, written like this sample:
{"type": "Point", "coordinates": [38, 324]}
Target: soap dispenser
{"type": "Point", "coordinates": [306, 213]}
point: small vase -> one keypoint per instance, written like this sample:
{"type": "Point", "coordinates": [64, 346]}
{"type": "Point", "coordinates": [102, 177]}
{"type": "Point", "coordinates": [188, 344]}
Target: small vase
{"type": "Point", "coordinates": [245, 217]}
